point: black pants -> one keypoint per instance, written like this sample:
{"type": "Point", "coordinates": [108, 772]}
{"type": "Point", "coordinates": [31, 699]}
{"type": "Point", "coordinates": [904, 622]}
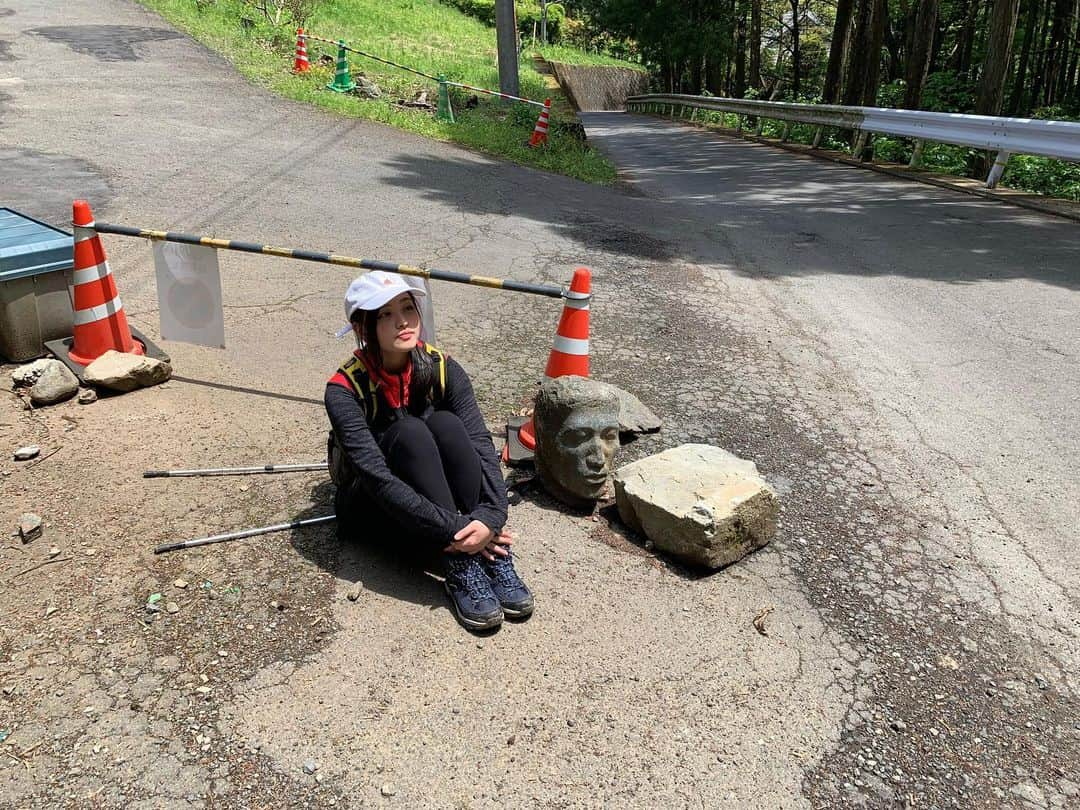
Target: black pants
{"type": "Point", "coordinates": [435, 457]}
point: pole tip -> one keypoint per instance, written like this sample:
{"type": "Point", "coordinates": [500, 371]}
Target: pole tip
{"type": "Point", "coordinates": [154, 474]}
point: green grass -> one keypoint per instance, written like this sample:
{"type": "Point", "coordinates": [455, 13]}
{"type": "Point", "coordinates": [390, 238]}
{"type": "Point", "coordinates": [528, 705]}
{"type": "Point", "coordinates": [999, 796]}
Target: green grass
{"type": "Point", "coordinates": [423, 34]}
{"type": "Point", "coordinates": [572, 56]}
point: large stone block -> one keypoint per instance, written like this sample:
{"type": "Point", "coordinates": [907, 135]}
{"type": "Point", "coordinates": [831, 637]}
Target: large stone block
{"type": "Point", "coordinates": [698, 503]}
{"type": "Point", "coordinates": [126, 372]}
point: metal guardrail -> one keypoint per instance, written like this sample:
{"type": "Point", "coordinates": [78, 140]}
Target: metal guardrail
{"type": "Point", "coordinates": [1006, 136]}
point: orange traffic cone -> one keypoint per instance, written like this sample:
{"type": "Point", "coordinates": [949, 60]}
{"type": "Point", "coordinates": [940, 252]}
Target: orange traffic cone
{"type": "Point", "coordinates": [540, 132]}
{"type": "Point", "coordinates": [301, 65]}
{"type": "Point", "coordinates": [570, 349]}
{"type": "Point", "coordinates": [100, 323]}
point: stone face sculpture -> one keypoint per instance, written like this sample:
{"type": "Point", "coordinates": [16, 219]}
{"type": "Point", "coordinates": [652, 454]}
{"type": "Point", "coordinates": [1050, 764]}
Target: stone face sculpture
{"type": "Point", "coordinates": [577, 433]}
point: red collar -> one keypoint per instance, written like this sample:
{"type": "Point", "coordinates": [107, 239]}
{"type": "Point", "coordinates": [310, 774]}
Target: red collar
{"type": "Point", "coordinates": [395, 387]}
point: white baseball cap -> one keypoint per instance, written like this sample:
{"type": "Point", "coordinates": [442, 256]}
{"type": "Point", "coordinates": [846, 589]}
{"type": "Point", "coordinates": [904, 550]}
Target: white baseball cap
{"type": "Point", "coordinates": [372, 290]}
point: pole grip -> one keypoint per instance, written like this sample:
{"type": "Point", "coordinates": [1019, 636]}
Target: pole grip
{"type": "Point", "coordinates": [156, 474]}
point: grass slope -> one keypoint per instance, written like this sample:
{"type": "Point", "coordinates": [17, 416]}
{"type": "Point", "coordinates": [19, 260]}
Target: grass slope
{"type": "Point", "coordinates": [423, 34]}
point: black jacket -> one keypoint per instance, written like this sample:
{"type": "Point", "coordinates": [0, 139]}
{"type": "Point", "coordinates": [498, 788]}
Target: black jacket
{"type": "Point", "coordinates": [401, 502]}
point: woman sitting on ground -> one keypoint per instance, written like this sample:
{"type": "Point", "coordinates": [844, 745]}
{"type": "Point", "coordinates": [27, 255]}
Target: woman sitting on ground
{"type": "Point", "coordinates": [410, 449]}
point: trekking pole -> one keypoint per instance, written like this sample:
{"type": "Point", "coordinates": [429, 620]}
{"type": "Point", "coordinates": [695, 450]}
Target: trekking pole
{"type": "Point", "coordinates": [266, 468]}
{"type": "Point", "coordinates": [222, 538]}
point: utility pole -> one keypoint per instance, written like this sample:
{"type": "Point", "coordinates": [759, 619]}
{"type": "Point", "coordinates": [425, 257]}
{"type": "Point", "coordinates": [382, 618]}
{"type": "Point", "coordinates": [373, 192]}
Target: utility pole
{"type": "Point", "coordinates": [506, 39]}
{"type": "Point", "coordinates": [543, 22]}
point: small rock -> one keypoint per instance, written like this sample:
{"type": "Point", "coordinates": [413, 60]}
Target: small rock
{"type": "Point", "coordinates": [88, 396]}
{"type": "Point", "coordinates": [50, 610]}
{"type": "Point", "coordinates": [55, 384]}
{"type": "Point", "coordinates": [120, 371]}
{"type": "Point", "coordinates": [634, 416]}
{"type": "Point", "coordinates": [54, 551]}
{"type": "Point", "coordinates": [29, 527]}
{"type": "Point", "coordinates": [388, 790]}
{"type": "Point", "coordinates": [310, 767]}
{"type": "Point", "coordinates": [172, 607]}
{"type": "Point", "coordinates": [354, 591]}
{"type": "Point", "coordinates": [948, 662]}
{"type": "Point", "coordinates": [27, 453]}
{"type": "Point", "coordinates": [367, 88]}
{"type": "Point", "coordinates": [180, 583]}
{"type": "Point", "coordinates": [26, 376]}
{"type": "Point", "coordinates": [898, 725]}
{"type": "Point", "coordinates": [319, 778]}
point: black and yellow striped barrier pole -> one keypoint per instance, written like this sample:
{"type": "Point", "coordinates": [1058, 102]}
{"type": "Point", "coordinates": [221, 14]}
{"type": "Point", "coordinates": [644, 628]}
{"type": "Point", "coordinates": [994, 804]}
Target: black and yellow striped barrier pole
{"type": "Point", "coordinates": [332, 258]}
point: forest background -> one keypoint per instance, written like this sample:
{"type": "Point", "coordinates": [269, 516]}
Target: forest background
{"type": "Point", "coordinates": [989, 57]}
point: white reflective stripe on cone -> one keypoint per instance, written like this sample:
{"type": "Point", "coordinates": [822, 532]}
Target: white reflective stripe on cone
{"type": "Point", "coordinates": [84, 232]}
{"type": "Point", "coordinates": [579, 304]}
{"type": "Point", "coordinates": [98, 313]}
{"type": "Point", "coordinates": [570, 345]}
{"type": "Point", "coordinates": [88, 274]}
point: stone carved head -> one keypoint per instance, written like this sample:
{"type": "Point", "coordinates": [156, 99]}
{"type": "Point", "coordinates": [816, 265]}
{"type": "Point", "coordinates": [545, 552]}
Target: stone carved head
{"type": "Point", "coordinates": [577, 433]}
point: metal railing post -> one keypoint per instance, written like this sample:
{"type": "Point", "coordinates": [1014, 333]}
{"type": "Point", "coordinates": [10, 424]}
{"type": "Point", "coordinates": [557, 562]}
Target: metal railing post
{"type": "Point", "coordinates": [817, 137]}
{"type": "Point", "coordinates": [916, 155]}
{"type": "Point", "coordinates": [860, 145]}
{"type": "Point", "coordinates": [997, 169]}
{"type": "Point", "coordinates": [738, 124]}
{"type": "Point", "coordinates": [786, 133]}
{"type": "Point", "coordinates": [693, 113]}
{"type": "Point", "coordinates": [760, 126]}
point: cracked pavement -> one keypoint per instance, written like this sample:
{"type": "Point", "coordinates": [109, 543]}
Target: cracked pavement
{"type": "Point", "coordinates": [899, 361]}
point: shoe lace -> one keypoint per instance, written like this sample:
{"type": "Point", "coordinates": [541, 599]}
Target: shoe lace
{"type": "Point", "coordinates": [469, 575]}
{"type": "Point", "coordinates": [502, 568]}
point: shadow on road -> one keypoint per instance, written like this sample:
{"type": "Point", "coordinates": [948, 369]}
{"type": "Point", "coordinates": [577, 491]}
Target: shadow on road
{"type": "Point", "coordinates": [765, 212]}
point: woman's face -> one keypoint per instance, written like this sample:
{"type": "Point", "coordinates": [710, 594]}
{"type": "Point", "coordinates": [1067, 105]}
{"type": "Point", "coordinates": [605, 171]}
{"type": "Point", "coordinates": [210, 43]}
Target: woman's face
{"type": "Point", "coordinates": [397, 325]}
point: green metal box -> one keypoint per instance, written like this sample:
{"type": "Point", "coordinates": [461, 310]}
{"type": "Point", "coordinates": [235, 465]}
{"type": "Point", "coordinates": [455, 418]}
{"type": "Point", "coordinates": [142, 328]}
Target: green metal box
{"type": "Point", "coordinates": [35, 276]}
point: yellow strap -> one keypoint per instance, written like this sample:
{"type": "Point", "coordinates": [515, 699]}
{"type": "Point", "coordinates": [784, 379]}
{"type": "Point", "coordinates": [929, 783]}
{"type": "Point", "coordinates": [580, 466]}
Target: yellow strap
{"type": "Point", "coordinates": [350, 368]}
{"type": "Point", "coordinates": [440, 359]}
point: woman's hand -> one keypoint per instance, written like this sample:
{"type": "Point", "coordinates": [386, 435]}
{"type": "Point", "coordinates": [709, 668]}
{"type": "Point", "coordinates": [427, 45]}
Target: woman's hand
{"type": "Point", "coordinates": [472, 539]}
{"type": "Point", "coordinates": [499, 545]}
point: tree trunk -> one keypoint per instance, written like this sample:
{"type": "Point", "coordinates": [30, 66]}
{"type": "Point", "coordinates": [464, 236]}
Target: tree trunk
{"type": "Point", "coordinates": [858, 50]}
{"type": "Point", "coordinates": [755, 44]}
{"type": "Point", "coordinates": [714, 74]}
{"type": "Point", "coordinates": [918, 58]}
{"type": "Point", "coordinates": [1039, 73]}
{"type": "Point", "coordinates": [738, 89]}
{"type": "Point", "coordinates": [998, 50]}
{"type": "Point", "coordinates": [837, 48]}
{"type": "Point", "coordinates": [967, 37]}
{"type": "Point", "coordinates": [1057, 58]}
{"type": "Point", "coordinates": [879, 20]}
{"type": "Point", "coordinates": [796, 56]}
{"type": "Point", "coordinates": [1016, 98]}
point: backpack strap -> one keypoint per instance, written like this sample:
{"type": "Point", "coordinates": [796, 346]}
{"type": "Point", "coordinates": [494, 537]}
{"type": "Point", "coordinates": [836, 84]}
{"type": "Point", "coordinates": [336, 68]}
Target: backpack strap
{"type": "Point", "coordinates": [438, 387]}
{"type": "Point", "coordinates": [356, 373]}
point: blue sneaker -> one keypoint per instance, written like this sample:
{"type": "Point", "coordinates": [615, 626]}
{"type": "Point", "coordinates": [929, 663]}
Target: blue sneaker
{"type": "Point", "coordinates": [474, 601]}
{"type": "Point", "coordinates": [513, 594]}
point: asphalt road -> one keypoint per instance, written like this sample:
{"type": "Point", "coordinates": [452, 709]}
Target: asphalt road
{"type": "Point", "coordinates": [875, 346]}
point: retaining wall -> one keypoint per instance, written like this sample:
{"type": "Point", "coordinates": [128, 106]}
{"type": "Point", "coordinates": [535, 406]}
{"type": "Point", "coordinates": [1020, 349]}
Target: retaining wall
{"type": "Point", "coordinates": [592, 88]}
